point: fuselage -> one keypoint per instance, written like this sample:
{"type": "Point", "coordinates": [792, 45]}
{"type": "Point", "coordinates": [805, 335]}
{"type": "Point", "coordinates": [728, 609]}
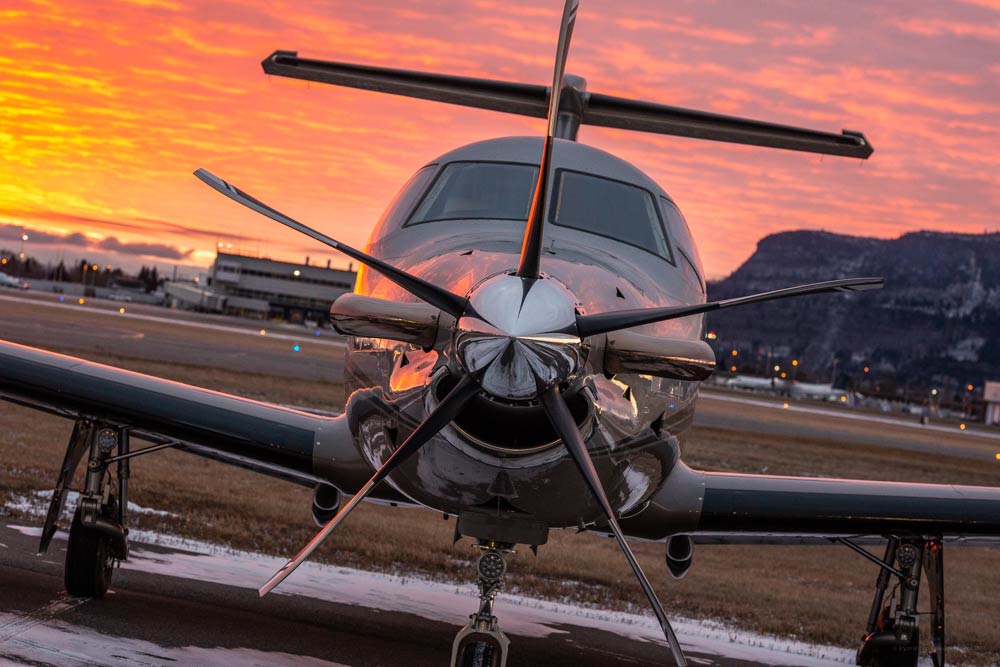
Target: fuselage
{"type": "Point", "coordinates": [458, 222]}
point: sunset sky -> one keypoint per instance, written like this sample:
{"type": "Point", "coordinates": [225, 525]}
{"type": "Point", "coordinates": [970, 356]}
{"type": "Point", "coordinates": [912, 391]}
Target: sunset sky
{"type": "Point", "coordinates": [106, 109]}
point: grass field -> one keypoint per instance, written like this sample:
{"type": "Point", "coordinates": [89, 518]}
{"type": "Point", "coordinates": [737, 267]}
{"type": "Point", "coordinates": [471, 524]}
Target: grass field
{"type": "Point", "coordinates": [818, 594]}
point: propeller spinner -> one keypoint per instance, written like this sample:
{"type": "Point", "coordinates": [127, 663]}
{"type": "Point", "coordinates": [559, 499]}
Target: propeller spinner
{"type": "Point", "coordinates": [520, 333]}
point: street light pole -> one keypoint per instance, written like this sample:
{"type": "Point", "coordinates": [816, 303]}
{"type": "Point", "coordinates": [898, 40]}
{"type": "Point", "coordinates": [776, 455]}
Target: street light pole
{"type": "Point", "coordinates": [20, 256]}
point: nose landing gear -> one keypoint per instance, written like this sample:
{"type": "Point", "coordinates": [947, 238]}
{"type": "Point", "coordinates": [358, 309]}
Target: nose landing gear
{"type": "Point", "coordinates": [481, 643]}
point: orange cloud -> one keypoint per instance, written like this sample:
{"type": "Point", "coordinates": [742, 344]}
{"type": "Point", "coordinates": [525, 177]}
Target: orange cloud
{"type": "Point", "coordinates": [106, 109]}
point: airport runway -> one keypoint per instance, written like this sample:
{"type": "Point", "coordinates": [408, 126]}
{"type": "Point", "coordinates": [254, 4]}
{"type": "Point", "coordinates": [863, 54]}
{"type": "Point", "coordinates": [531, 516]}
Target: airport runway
{"type": "Point", "coordinates": [196, 605]}
{"type": "Point", "coordinates": [161, 334]}
{"type": "Point", "coordinates": [815, 421]}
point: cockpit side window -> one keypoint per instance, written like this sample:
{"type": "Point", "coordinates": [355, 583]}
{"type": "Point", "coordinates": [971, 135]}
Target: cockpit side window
{"type": "Point", "coordinates": [405, 199]}
{"type": "Point", "coordinates": [685, 242]}
{"type": "Point", "coordinates": [609, 208]}
{"type": "Point", "coordinates": [478, 190]}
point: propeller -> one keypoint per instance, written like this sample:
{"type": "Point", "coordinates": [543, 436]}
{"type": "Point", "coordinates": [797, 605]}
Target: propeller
{"type": "Point", "coordinates": [592, 325]}
{"type": "Point", "coordinates": [564, 424]}
{"type": "Point", "coordinates": [531, 247]}
{"type": "Point", "coordinates": [438, 297]}
{"type": "Point", "coordinates": [442, 415]}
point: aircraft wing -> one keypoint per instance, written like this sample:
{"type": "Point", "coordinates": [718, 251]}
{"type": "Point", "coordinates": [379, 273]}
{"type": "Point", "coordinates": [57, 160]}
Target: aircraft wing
{"type": "Point", "coordinates": [760, 509]}
{"type": "Point", "coordinates": [302, 447]}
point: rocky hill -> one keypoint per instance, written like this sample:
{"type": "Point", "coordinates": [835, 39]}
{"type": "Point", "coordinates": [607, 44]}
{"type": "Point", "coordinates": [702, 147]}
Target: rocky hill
{"type": "Point", "coordinates": [936, 323]}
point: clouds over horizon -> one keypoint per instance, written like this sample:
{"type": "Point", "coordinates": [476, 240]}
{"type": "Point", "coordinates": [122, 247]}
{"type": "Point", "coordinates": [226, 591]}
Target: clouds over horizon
{"type": "Point", "coordinates": [107, 110]}
{"type": "Point", "coordinates": [14, 233]}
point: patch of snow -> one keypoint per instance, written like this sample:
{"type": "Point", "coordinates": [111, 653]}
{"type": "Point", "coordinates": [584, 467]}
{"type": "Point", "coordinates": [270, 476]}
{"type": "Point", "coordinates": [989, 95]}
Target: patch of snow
{"type": "Point", "coordinates": [37, 504]}
{"type": "Point", "coordinates": [61, 644]}
{"type": "Point", "coordinates": [966, 349]}
{"type": "Point", "coordinates": [450, 603]}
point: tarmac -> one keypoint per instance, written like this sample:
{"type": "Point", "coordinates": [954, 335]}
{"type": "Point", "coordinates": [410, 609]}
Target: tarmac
{"type": "Point", "coordinates": [192, 604]}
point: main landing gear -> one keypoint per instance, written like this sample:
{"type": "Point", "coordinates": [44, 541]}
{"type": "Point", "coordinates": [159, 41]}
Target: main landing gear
{"type": "Point", "coordinates": [892, 638]}
{"type": "Point", "coordinates": [97, 536]}
{"type": "Point", "coordinates": [481, 643]}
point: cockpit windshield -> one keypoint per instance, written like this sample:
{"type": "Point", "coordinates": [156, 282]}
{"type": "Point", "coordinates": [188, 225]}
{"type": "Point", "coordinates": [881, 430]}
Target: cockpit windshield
{"type": "Point", "coordinates": [503, 190]}
{"type": "Point", "coordinates": [610, 208]}
{"type": "Point", "coordinates": [478, 190]}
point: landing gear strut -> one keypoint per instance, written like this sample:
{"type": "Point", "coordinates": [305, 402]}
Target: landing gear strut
{"type": "Point", "coordinates": [481, 643]}
{"type": "Point", "coordinates": [892, 638]}
{"type": "Point", "coordinates": [97, 536]}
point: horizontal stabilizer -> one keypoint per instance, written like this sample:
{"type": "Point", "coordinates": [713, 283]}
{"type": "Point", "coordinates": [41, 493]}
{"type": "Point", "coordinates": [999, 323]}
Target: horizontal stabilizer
{"type": "Point", "coordinates": [600, 110]}
{"type": "Point", "coordinates": [607, 111]}
{"type": "Point", "coordinates": [520, 98]}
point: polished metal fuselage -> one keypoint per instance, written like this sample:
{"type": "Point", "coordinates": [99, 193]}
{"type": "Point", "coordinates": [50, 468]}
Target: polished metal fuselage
{"type": "Point", "coordinates": [633, 424]}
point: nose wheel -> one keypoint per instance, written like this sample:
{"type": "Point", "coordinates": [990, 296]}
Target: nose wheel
{"type": "Point", "coordinates": [481, 643]}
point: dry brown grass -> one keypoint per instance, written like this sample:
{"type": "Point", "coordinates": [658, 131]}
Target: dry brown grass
{"type": "Point", "coordinates": [818, 594]}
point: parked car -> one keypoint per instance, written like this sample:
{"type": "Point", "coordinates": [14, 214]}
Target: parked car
{"type": "Point", "coordinates": [12, 282]}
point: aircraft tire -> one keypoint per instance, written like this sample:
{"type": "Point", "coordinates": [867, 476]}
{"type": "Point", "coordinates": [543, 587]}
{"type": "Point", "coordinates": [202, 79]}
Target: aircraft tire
{"type": "Point", "coordinates": [89, 561]}
{"type": "Point", "coordinates": [479, 654]}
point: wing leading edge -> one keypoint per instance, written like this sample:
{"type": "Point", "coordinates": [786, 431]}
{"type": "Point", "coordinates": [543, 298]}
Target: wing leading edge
{"type": "Point", "coordinates": [267, 438]}
{"type": "Point", "coordinates": [773, 507]}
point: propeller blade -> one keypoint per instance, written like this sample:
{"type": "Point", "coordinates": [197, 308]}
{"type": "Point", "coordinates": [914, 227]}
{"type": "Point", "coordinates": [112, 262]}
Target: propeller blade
{"type": "Point", "coordinates": [591, 325]}
{"type": "Point", "coordinates": [438, 297]}
{"type": "Point", "coordinates": [531, 247]}
{"type": "Point", "coordinates": [565, 426]}
{"type": "Point", "coordinates": [446, 411]}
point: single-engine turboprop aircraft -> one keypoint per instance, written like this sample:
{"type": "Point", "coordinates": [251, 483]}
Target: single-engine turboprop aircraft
{"type": "Point", "coordinates": [524, 352]}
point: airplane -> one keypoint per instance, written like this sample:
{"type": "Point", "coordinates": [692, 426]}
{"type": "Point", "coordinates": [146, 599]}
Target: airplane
{"type": "Point", "coordinates": [525, 347]}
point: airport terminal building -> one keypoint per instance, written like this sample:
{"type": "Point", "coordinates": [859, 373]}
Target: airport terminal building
{"type": "Point", "coordinates": [265, 289]}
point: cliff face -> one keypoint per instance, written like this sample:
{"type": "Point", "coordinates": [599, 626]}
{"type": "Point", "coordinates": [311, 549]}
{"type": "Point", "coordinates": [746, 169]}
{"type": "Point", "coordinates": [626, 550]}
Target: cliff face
{"type": "Point", "coordinates": [937, 320]}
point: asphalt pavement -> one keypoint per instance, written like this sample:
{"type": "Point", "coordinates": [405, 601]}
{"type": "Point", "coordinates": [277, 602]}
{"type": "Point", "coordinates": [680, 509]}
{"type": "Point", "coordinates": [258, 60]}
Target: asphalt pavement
{"type": "Point", "coordinates": [195, 605]}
